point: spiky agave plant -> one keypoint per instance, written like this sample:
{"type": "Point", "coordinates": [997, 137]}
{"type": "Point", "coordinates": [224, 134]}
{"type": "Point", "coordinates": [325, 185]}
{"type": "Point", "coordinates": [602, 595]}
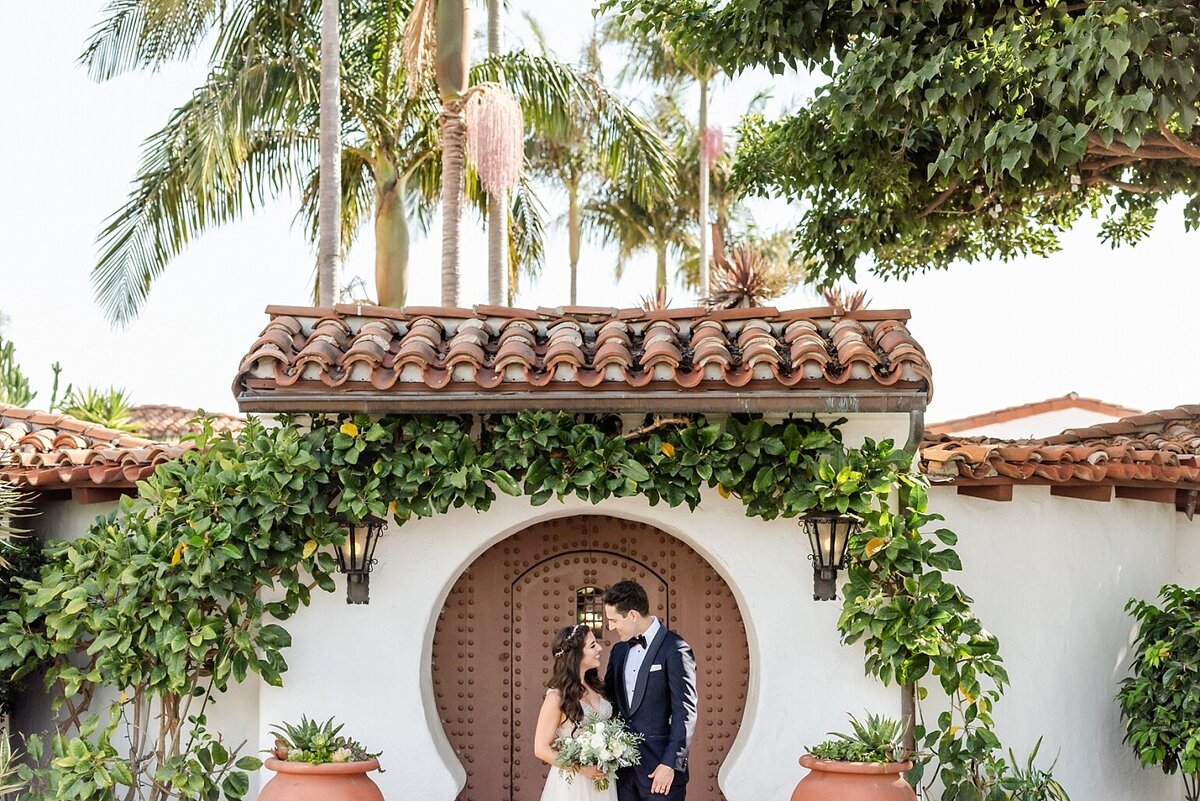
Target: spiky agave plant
{"type": "Point", "coordinates": [748, 276]}
{"type": "Point", "coordinates": [843, 300]}
{"type": "Point", "coordinates": [13, 506]}
{"type": "Point", "coordinates": [110, 408]}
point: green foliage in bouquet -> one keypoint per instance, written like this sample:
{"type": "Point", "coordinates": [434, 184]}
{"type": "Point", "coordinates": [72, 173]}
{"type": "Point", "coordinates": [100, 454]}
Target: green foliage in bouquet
{"type": "Point", "coordinates": [317, 743]}
{"type": "Point", "coordinates": [604, 744]}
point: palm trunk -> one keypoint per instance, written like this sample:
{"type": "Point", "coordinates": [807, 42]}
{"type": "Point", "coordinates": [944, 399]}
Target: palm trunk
{"type": "Point", "coordinates": [497, 222]}
{"type": "Point", "coordinates": [574, 231]}
{"type": "Point", "coordinates": [329, 204]}
{"type": "Point", "coordinates": [703, 188]}
{"type": "Point", "coordinates": [660, 274]}
{"type": "Point", "coordinates": [453, 142]}
{"type": "Point", "coordinates": [391, 236]}
{"type": "Point", "coordinates": [452, 69]}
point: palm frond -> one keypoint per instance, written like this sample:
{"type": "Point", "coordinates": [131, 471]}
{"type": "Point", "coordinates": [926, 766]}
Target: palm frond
{"type": "Point", "coordinates": [358, 198]}
{"type": "Point", "coordinates": [208, 165]}
{"type": "Point", "coordinates": [527, 234]}
{"type": "Point", "coordinates": [135, 34]}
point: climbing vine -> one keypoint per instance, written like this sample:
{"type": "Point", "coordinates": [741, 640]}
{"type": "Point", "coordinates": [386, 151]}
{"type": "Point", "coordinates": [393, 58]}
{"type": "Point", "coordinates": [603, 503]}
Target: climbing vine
{"type": "Point", "coordinates": [165, 599]}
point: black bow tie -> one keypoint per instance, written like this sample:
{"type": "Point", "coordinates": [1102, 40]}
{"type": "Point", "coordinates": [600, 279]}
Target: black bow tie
{"type": "Point", "coordinates": [638, 640]}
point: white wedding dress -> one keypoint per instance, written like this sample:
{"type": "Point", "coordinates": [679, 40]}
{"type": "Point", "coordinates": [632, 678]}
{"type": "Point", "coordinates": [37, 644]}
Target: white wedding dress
{"type": "Point", "coordinates": [579, 788]}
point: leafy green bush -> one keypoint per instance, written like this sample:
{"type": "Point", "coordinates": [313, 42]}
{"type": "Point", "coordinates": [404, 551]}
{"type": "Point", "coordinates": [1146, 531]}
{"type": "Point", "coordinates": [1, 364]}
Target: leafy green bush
{"type": "Point", "coordinates": [1160, 702]}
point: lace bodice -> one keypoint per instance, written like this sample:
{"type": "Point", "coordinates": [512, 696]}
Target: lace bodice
{"type": "Point", "coordinates": [604, 712]}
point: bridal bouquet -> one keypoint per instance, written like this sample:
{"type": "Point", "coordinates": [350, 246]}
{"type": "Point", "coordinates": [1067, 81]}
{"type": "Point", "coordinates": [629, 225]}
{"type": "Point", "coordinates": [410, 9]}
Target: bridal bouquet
{"type": "Point", "coordinates": [603, 744]}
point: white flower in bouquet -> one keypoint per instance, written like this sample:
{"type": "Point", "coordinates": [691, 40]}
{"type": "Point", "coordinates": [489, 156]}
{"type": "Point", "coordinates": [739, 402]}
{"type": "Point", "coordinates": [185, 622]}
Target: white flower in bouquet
{"type": "Point", "coordinates": [606, 745]}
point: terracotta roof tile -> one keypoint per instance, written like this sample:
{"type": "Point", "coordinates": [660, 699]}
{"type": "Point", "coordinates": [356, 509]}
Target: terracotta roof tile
{"type": "Point", "coordinates": [53, 450]}
{"type": "Point", "coordinates": [1159, 447]}
{"type": "Point", "coordinates": [171, 423]}
{"type": "Point", "coordinates": [419, 350]}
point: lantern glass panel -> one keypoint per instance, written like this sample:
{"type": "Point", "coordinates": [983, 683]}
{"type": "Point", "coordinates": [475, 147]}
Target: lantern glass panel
{"type": "Point", "coordinates": [353, 550]}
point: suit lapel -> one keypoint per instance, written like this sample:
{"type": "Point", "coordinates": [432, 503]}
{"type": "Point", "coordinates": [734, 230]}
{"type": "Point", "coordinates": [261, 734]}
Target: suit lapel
{"type": "Point", "coordinates": [639, 689]}
{"type": "Point", "coordinates": [619, 657]}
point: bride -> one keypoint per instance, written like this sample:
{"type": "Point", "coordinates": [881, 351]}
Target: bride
{"type": "Point", "coordinates": [575, 691]}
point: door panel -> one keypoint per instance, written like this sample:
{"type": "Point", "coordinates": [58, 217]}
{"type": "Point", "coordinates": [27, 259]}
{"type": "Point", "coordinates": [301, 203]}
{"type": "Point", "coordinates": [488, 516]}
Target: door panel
{"type": "Point", "coordinates": [491, 651]}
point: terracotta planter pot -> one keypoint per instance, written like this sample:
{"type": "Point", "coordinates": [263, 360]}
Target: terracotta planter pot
{"type": "Point", "coordinates": [853, 781]}
{"type": "Point", "coordinates": [337, 781]}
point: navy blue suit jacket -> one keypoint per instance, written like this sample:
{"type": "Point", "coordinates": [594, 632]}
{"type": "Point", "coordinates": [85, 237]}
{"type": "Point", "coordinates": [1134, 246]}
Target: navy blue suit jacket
{"type": "Point", "coordinates": [664, 699]}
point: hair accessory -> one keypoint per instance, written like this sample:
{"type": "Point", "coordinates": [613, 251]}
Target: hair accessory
{"type": "Point", "coordinates": [574, 631]}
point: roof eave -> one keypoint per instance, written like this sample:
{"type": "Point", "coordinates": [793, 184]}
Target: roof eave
{"type": "Point", "coordinates": [644, 401]}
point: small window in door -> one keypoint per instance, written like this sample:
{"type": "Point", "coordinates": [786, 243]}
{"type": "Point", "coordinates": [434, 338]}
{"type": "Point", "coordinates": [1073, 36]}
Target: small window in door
{"type": "Point", "coordinates": [589, 608]}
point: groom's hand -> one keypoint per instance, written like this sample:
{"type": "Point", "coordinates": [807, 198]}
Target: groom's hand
{"type": "Point", "coordinates": [661, 779]}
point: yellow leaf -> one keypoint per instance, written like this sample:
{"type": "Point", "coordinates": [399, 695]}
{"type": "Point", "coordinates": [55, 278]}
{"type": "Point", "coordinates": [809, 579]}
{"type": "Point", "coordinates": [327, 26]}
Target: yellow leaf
{"type": "Point", "coordinates": [309, 547]}
{"type": "Point", "coordinates": [724, 493]}
{"type": "Point", "coordinates": [668, 449]}
{"type": "Point", "coordinates": [349, 429]}
{"type": "Point", "coordinates": [178, 555]}
{"type": "Point", "coordinates": [954, 730]}
{"type": "Point", "coordinates": [124, 697]}
{"type": "Point", "coordinates": [970, 698]}
{"type": "Point", "coordinates": [874, 546]}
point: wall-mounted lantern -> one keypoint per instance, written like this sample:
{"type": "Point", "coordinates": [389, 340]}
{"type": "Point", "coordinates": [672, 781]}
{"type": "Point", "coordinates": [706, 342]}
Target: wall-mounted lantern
{"type": "Point", "coordinates": [356, 555]}
{"type": "Point", "coordinates": [828, 535]}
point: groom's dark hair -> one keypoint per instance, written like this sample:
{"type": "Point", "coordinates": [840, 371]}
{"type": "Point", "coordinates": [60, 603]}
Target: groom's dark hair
{"type": "Point", "coordinates": [626, 596]}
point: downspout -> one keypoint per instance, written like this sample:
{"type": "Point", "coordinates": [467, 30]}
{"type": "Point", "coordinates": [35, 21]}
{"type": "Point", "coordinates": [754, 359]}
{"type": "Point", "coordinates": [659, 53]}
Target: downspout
{"type": "Point", "coordinates": [908, 692]}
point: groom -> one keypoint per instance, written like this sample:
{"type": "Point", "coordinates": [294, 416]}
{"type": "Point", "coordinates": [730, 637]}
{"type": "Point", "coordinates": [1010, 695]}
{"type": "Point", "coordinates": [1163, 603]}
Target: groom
{"type": "Point", "coordinates": [651, 679]}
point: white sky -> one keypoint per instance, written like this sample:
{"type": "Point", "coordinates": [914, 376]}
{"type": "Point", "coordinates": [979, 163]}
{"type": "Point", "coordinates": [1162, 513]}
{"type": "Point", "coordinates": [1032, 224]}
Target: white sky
{"type": "Point", "coordinates": [1117, 325]}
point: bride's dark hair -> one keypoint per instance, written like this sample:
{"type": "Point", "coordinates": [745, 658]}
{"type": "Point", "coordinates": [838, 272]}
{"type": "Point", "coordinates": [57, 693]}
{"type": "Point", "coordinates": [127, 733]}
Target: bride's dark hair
{"type": "Point", "coordinates": [568, 652]}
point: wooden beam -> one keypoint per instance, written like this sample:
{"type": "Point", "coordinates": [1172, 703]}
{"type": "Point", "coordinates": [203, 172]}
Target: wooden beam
{"type": "Point", "coordinates": [817, 401]}
{"type": "Point", "coordinates": [1152, 494]}
{"type": "Point", "coordinates": [86, 495]}
{"type": "Point", "coordinates": [1083, 492]}
{"type": "Point", "coordinates": [989, 492]}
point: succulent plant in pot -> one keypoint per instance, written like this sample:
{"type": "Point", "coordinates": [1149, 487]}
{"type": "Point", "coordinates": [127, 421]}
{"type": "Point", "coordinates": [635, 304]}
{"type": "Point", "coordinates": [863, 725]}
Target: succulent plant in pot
{"type": "Point", "coordinates": [316, 762]}
{"type": "Point", "coordinates": [317, 743]}
{"type": "Point", "coordinates": [865, 765]}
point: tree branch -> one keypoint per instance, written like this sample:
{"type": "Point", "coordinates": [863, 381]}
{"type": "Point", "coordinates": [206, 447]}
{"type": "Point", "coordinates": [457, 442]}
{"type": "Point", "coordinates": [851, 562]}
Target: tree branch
{"type": "Point", "coordinates": [940, 199]}
{"type": "Point", "coordinates": [1187, 148]}
{"type": "Point", "coordinates": [1136, 189]}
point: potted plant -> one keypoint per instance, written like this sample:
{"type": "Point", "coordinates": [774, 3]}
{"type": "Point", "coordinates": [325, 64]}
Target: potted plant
{"type": "Point", "coordinates": [315, 762]}
{"type": "Point", "coordinates": [863, 766]}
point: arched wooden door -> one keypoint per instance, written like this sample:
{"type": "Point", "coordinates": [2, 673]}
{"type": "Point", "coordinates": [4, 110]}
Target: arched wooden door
{"type": "Point", "coordinates": [491, 650]}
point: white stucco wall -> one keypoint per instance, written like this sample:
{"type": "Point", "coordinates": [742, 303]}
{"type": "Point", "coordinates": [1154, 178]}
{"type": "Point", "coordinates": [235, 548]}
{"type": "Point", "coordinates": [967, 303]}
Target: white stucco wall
{"type": "Point", "coordinates": [1050, 577]}
{"type": "Point", "coordinates": [801, 686]}
{"type": "Point", "coordinates": [369, 664]}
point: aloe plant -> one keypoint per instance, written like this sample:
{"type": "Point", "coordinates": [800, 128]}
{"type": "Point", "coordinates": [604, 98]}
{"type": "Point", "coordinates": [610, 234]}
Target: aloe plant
{"type": "Point", "coordinates": [319, 743]}
{"type": "Point", "coordinates": [876, 739]}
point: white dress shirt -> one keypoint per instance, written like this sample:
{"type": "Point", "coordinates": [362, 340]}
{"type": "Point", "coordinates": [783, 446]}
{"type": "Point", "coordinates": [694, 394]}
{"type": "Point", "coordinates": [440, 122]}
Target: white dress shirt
{"type": "Point", "coordinates": [637, 655]}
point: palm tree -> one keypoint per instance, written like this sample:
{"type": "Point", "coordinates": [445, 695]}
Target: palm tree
{"type": "Point", "coordinates": [650, 58]}
{"type": "Point", "coordinates": [329, 215]}
{"type": "Point", "coordinates": [496, 218]}
{"type": "Point", "coordinates": [637, 222]}
{"type": "Point", "coordinates": [250, 134]}
{"type": "Point", "coordinates": [608, 145]}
